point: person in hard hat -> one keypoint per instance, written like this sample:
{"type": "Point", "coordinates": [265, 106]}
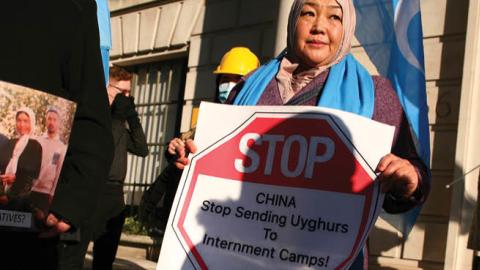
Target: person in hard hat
{"type": "Point", "coordinates": [236, 63]}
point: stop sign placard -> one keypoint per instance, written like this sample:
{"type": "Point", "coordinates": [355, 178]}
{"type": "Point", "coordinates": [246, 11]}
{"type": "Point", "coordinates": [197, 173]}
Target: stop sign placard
{"type": "Point", "coordinates": [280, 191]}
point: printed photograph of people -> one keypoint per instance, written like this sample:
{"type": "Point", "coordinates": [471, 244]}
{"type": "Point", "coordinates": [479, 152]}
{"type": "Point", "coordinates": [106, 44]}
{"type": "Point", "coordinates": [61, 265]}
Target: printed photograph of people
{"type": "Point", "coordinates": [20, 160]}
{"type": "Point", "coordinates": [34, 131]}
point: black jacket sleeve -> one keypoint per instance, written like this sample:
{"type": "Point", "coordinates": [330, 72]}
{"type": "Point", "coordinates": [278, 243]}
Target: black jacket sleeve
{"type": "Point", "coordinates": [123, 110]}
{"type": "Point", "coordinates": [90, 150]}
{"type": "Point", "coordinates": [136, 142]}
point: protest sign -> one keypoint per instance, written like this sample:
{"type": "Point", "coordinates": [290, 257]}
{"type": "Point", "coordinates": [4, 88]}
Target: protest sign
{"type": "Point", "coordinates": [276, 187]}
{"type": "Point", "coordinates": [34, 132]}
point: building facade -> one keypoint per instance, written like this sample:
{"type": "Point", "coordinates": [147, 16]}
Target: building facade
{"type": "Point", "coordinates": [173, 46]}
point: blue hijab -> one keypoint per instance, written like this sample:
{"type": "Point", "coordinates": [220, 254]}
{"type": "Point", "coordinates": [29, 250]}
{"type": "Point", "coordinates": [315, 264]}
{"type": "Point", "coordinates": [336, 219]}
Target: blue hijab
{"type": "Point", "coordinates": [349, 86]}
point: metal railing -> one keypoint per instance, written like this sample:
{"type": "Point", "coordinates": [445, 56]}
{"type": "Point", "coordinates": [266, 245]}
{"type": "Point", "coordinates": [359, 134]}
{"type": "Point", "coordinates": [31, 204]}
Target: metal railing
{"type": "Point", "coordinates": [158, 91]}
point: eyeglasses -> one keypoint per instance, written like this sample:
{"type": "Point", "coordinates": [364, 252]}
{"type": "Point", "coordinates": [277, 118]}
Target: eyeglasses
{"type": "Point", "coordinates": [122, 90]}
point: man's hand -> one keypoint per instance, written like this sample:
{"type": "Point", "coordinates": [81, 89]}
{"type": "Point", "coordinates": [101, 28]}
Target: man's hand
{"type": "Point", "coordinates": [131, 111]}
{"type": "Point", "coordinates": [398, 176]}
{"type": "Point", "coordinates": [122, 107]}
{"type": "Point", "coordinates": [55, 225]}
{"type": "Point", "coordinates": [180, 149]}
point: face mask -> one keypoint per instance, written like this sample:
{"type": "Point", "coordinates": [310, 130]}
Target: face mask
{"type": "Point", "coordinates": [224, 90]}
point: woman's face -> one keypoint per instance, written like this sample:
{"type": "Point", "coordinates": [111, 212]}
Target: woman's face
{"type": "Point", "coordinates": [319, 32]}
{"type": "Point", "coordinates": [23, 124]}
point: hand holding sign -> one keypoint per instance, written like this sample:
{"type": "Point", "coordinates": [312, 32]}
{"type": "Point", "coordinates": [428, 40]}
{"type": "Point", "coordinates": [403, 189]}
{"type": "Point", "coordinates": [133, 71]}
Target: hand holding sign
{"type": "Point", "coordinates": [179, 149]}
{"type": "Point", "coordinates": [398, 176]}
{"type": "Point", "coordinates": [56, 226]}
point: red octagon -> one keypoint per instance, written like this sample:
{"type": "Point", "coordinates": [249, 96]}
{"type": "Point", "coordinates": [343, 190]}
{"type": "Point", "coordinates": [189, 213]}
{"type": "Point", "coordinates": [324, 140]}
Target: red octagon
{"type": "Point", "coordinates": [345, 171]}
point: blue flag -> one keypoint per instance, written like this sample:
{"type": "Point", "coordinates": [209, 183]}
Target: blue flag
{"type": "Point", "coordinates": [390, 31]}
{"type": "Point", "coordinates": [104, 29]}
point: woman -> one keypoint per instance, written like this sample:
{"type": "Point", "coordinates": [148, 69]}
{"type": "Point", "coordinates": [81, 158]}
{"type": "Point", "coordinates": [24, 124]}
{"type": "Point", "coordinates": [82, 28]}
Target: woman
{"type": "Point", "coordinates": [317, 69]}
{"type": "Point", "coordinates": [21, 158]}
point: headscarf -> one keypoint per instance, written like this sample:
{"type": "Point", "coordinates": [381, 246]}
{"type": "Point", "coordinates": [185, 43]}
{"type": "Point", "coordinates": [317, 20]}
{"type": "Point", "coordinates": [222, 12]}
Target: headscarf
{"type": "Point", "coordinates": [349, 86]}
{"type": "Point", "coordinates": [22, 141]}
{"type": "Point", "coordinates": [31, 116]}
{"type": "Point", "coordinates": [288, 83]}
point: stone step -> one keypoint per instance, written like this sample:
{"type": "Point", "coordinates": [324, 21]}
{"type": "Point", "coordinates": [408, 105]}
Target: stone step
{"type": "Point", "coordinates": [132, 254]}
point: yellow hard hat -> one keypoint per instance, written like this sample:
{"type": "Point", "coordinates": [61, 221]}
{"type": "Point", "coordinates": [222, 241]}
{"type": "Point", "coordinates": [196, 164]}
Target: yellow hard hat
{"type": "Point", "coordinates": [239, 60]}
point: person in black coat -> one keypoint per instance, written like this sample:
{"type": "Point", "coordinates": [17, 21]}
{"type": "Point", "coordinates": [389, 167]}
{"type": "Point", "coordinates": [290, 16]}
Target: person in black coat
{"type": "Point", "coordinates": [128, 137]}
{"type": "Point", "coordinates": [20, 159]}
{"type": "Point", "coordinates": [53, 46]}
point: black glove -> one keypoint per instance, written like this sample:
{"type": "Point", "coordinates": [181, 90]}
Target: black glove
{"type": "Point", "coordinates": [122, 107]}
{"type": "Point", "coordinates": [132, 111]}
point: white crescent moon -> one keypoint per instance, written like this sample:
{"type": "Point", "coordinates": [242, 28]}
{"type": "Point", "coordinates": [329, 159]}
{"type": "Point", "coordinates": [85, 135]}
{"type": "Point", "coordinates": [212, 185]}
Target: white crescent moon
{"type": "Point", "coordinates": [404, 13]}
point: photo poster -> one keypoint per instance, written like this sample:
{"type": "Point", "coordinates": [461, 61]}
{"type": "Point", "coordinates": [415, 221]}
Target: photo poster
{"type": "Point", "coordinates": [34, 133]}
{"type": "Point", "coordinates": [276, 187]}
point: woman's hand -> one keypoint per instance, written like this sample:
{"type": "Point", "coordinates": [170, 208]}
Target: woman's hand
{"type": "Point", "coordinates": [180, 149]}
{"type": "Point", "coordinates": [398, 176]}
{"type": "Point", "coordinates": [8, 179]}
